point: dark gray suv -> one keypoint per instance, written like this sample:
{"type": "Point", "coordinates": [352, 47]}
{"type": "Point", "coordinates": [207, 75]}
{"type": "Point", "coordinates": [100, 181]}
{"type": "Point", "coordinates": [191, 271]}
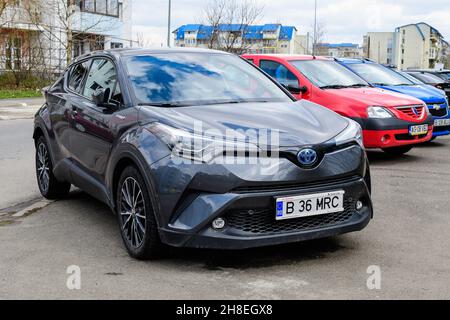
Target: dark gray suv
{"type": "Point", "coordinates": [197, 148]}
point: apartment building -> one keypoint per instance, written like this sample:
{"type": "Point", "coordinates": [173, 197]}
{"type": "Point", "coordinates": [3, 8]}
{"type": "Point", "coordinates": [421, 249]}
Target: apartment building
{"type": "Point", "coordinates": [268, 38]}
{"type": "Point", "coordinates": [410, 46]}
{"type": "Point", "coordinates": [419, 46]}
{"type": "Point", "coordinates": [379, 46]}
{"type": "Point", "coordinates": [339, 50]}
{"type": "Point", "coordinates": [36, 34]}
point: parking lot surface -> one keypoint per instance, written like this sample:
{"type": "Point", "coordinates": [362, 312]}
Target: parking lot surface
{"type": "Point", "coordinates": [409, 241]}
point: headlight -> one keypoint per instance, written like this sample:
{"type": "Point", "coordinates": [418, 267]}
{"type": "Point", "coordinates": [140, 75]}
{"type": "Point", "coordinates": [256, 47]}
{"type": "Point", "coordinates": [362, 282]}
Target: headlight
{"type": "Point", "coordinates": [353, 133]}
{"type": "Point", "coordinates": [378, 113]}
{"type": "Point", "coordinates": [196, 147]}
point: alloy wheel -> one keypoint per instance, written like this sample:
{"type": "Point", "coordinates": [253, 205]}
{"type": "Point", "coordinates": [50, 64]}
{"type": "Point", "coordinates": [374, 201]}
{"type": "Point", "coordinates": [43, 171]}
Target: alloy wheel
{"type": "Point", "coordinates": [43, 167]}
{"type": "Point", "coordinates": [132, 211]}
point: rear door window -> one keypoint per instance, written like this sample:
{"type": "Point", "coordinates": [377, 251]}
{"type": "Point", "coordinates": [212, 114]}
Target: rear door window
{"type": "Point", "coordinates": [102, 75]}
{"type": "Point", "coordinates": [77, 75]}
{"type": "Point", "coordinates": [279, 72]}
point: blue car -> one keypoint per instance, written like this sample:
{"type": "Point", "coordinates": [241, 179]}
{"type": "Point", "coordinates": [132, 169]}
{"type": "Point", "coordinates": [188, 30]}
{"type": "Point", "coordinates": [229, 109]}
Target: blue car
{"type": "Point", "coordinates": [385, 78]}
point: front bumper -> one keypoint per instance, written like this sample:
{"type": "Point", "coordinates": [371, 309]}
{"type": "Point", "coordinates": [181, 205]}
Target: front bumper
{"type": "Point", "coordinates": [440, 114]}
{"type": "Point", "coordinates": [393, 132]}
{"type": "Point", "coordinates": [250, 217]}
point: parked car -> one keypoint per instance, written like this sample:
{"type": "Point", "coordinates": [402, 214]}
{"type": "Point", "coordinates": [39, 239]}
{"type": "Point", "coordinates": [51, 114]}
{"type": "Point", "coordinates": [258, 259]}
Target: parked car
{"type": "Point", "coordinates": [444, 74]}
{"type": "Point", "coordinates": [431, 79]}
{"type": "Point", "coordinates": [388, 79]}
{"type": "Point", "coordinates": [391, 121]}
{"type": "Point", "coordinates": [140, 150]}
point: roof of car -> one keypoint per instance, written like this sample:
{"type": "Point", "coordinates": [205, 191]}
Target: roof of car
{"type": "Point", "coordinates": [289, 57]}
{"type": "Point", "coordinates": [144, 51]}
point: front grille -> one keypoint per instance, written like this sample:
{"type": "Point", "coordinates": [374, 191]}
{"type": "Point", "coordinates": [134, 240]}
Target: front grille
{"type": "Point", "coordinates": [292, 186]}
{"type": "Point", "coordinates": [407, 137]}
{"type": "Point", "coordinates": [264, 222]}
{"type": "Point", "coordinates": [438, 113]}
{"type": "Point", "coordinates": [414, 112]}
{"type": "Point", "coordinates": [441, 129]}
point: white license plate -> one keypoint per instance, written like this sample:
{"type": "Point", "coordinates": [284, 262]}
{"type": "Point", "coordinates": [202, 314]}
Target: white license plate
{"type": "Point", "coordinates": [418, 130]}
{"type": "Point", "coordinates": [442, 122]}
{"type": "Point", "coordinates": [309, 205]}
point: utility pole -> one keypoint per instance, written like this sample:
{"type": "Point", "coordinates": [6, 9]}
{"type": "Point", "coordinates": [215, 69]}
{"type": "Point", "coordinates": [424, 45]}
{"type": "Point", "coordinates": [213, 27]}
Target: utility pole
{"type": "Point", "coordinates": [169, 23]}
{"type": "Point", "coordinates": [315, 28]}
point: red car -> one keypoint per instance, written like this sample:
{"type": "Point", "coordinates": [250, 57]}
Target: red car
{"type": "Point", "coordinates": [391, 121]}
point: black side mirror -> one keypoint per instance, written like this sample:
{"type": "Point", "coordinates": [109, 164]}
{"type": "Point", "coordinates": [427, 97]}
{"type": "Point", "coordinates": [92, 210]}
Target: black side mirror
{"type": "Point", "coordinates": [296, 89]}
{"type": "Point", "coordinates": [99, 97]}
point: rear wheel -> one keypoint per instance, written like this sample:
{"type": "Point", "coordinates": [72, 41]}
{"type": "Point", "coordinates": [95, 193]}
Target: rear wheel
{"type": "Point", "coordinates": [49, 186]}
{"type": "Point", "coordinates": [136, 216]}
{"type": "Point", "coordinates": [398, 151]}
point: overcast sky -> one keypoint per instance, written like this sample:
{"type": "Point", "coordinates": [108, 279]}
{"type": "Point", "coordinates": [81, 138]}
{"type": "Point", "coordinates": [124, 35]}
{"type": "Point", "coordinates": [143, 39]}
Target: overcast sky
{"type": "Point", "coordinates": [344, 20]}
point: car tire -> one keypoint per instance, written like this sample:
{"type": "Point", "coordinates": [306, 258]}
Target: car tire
{"type": "Point", "coordinates": [398, 151]}
{"type": "Point", "coordinates": [136, 216]}
{"type": "Point", "coordinates": [50, 187]}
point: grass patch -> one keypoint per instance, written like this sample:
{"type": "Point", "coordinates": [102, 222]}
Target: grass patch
{"type": "Point", "coordinates": [19, 93]}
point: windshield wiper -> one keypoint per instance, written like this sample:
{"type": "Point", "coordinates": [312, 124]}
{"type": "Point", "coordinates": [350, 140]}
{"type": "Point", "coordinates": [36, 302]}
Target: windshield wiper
{"type": "Point", "coordinates": [334, 86]}
{"type": "Point", "coordinates": [381, 84]}
{"type": "Point", "coordinates": [357, 85]}
{"type": "Point", "coordinates": [163, 104]}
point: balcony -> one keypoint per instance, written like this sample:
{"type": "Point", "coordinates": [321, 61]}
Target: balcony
{"type": "Point", "coordinates": [20, 18]}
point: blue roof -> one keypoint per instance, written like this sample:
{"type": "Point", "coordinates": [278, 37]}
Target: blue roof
{"type": "Point", "coordinates": [286, 33]}
{"type": "Point", "coordinates": [205, 32]}
{"type": "Point", "coordinates": [191, 27]}
{"type": "Point", "coordinates": [254, 32]}
{"type": "Point", "coordinates": [232, 27]}
{"type": "Point", "coordinates": [271, 27]}
{"type": "Point", "coordinates": [340, 45]}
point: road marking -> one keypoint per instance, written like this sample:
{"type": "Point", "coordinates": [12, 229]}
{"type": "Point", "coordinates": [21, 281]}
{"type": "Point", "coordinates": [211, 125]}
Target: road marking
{"type": "Point", "coordinates": [34, 207]}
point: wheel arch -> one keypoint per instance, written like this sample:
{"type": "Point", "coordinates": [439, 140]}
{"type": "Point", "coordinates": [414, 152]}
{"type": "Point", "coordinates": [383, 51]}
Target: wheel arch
{"type": "Point", "coordinates": [124, 156]}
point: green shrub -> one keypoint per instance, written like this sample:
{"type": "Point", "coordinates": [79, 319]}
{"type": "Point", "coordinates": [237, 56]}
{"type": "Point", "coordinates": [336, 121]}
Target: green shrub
{"type": "Point", "coordinates": [22, 80]}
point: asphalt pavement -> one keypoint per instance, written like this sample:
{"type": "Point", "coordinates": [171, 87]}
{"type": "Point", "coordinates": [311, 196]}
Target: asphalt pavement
{"type": "Point", "coordinates": [408, 242]}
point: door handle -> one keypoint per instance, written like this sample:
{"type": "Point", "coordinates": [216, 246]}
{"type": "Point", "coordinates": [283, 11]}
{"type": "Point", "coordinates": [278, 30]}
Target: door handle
{"type": "Point", "coordinates": [74, 111]}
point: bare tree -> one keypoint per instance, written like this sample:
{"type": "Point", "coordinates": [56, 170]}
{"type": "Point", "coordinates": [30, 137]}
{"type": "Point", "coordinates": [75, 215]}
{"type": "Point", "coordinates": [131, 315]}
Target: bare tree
{"type": "Point", "coordinates": [142, 41]}
{"type": "Point", "coordinates": [70, 26]}
{"type": "Point", "coordinates": [229, 20]}
{"type": "Point", "coordinates": [319, 39]}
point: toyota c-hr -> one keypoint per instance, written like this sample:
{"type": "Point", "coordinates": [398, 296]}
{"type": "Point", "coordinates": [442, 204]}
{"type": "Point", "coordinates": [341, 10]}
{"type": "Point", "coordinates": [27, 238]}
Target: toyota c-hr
{"type": "Point", "coordinates": [197, 148]}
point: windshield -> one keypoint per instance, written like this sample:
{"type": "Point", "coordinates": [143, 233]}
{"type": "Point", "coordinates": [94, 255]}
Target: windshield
{"type": "Point", "coordinates": [411, 78]}
{"type": "Point", "coordinates": [379, 75]}
{"type": "Point", "coordinates": [427, 77]}
{"type": "Point", "coordinates": [446, 75]}
{"type": "Point", "coordinates": [185, 79]}
{"type": "Point", "coordinates": [328, 74]}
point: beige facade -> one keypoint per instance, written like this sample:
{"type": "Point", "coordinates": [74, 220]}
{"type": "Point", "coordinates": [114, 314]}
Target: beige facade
{"type": "Point", "coordinates": [379, 46]}
{"type": "Point", "coordinates": [418, 46]}
{"type": "Point", "coordinates": [413, 46]}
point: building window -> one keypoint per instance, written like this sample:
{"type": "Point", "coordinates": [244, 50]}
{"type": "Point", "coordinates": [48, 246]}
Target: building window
{"type": "Point", "coordinates": [13, 53]}
{"type": "Point", "coordinates": [105, 7]}
{"type": "Point", "coordinates": [116, 45]}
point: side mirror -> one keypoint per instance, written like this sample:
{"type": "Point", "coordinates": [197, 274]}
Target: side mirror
{"type": "Point", "coordinates": [296, 89]}
{"type": "Point", "coordinates": [99, 97]}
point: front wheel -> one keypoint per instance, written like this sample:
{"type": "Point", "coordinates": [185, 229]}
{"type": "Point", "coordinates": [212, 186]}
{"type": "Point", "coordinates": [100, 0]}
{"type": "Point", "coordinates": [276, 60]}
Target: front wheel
{"type": "Point", "coordinates": [136, 216]}
{"type": "Point", "coordinates": [49, 186]}
{"type": "Point", "coordinates": [398, 151]}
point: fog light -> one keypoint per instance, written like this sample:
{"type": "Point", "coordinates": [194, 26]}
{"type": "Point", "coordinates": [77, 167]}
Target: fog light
{"type": "Point", "coordinates": [386, 139]}
{"type": "Point", "coordinates": [359, 205]}
{"type": "Point", "coordinates": [218, 224]}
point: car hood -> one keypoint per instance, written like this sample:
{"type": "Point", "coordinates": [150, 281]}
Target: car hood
{"type": "Point", "coordinates": [298, 123]}
{"type": "Point", "coordinates": [374, 97]}
{"type": "Point", "coordinates": [426, 93]}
